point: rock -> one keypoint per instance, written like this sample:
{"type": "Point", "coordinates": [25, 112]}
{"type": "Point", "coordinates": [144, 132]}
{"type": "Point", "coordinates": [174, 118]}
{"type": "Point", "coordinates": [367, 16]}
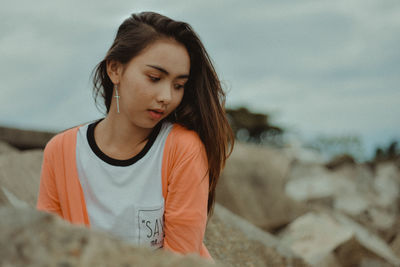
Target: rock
{"type": "Point", "coordinates": [32, 238]}
{"type": "Point", "coordinates": [387, 186]}
{"type": "Point", "coordinates": [295, 150]}
{"type": "Point", "coordinates": [5, 148]}
{"type": "Point", "coordinates": [352, 253]}
{"type": "Point", "coordinates": [361, 174]}
{"type": "Point", "coordinates": [20, 177]}
{"type": "Point", "coordinates": [395, 245]}
{"type": "Point", "coordinates": [381, 219]}
{"type": "Point", "coordinates": [6, 197]}
{"type": "Point", "coordinates": [25, 139]}
{"type": "Point", "coordinates": [316, 236]}
{"type": "Point", "coordinates": [370, 198]}
{"type": "Point", "coordinates": [339, 161]}
{"type": "Point", "coordinates": [235, 242]}
{"type": "Point", "coordinates": [252, 186]}
{"type": "Point", "coordinates": [314, 186]}
{"type": "Point", "coordinates": [3, 198]}
{"type": "Point", "coordinates": [351, 189]}
{"type": "Point", "coordinates": [312, 183]}
{"type": "Point", "coordinates": [352, 203]}
{"type": "Point", "coordinates": [369, 241]}
{"type": "Point", "coordinates": [300, 170]}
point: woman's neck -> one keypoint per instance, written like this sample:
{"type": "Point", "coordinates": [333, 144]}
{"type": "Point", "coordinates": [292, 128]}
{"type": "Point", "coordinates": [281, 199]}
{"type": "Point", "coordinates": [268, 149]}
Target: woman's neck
{"type": "Point", "coordinates": [118, 138]}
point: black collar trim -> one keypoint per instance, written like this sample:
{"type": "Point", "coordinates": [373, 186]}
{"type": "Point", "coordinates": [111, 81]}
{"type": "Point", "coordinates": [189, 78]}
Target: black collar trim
{"type": "Point", "coordinates": [117, 162]}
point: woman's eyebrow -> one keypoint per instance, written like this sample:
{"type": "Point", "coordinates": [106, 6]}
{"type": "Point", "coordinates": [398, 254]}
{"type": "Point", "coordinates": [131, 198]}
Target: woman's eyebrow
{"type": "Point", "coordinates": [166, 72]}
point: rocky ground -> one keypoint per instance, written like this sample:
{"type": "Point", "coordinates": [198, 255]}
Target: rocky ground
{"type": "Point", "coordinates": [275, 208]}
{"type": "Point", "coordinates": [338, 213]}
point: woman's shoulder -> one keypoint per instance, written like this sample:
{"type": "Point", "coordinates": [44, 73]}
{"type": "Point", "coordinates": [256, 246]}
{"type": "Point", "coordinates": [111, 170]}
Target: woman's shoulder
{"type": "Point", "coordinates": [184, 136]}
{"type": "Point", "coordinates": [67, 135]}
{"type": "Point", "coordinates": [183, 139]}
{"type": "Point", "coordinates": [184, 148]}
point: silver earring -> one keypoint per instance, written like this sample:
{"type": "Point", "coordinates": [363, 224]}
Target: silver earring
{"type": "Point", "coordinates": [117, 97]}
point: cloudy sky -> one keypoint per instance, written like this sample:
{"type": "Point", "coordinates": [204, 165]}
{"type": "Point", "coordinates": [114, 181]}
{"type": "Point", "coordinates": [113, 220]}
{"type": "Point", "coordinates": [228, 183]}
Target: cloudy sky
{"type": "Point", "coordinates": [318, 67]}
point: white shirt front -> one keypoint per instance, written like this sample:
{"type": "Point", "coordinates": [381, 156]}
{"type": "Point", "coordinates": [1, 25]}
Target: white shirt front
{"type": "Point", "coordinates": [124, 197]}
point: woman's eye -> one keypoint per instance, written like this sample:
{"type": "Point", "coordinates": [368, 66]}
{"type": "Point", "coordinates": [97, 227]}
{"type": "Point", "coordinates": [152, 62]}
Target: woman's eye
{"type": "Point", "coordinates": [179, 86]}
{"type": "Point", "coordinates": [154, 79]}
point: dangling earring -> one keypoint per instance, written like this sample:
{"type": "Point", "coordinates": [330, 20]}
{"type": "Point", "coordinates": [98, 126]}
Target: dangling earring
{"type": "Point", "coordinates": [117, 97]}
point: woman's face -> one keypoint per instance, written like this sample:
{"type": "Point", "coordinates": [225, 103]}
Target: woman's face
{"type": "Point", "coordinates": [151, 85]}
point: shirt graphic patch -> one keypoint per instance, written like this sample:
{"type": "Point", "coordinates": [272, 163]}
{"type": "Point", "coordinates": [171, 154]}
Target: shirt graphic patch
{"type": "Point", "coordinates": [151, 227]}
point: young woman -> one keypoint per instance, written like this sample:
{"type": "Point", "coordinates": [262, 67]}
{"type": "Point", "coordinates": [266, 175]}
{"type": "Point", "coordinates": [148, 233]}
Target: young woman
{"type": "Point", "coordinates": [146, 172]}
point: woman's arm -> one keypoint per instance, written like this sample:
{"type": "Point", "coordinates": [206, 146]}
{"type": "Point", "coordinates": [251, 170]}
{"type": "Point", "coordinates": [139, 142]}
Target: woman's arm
{"type": "Point", "coordinates": [48, 199]}
{"type": "Point", "coordinates": [187, 195]}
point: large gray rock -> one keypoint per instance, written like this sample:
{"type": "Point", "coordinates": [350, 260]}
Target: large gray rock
{"type": "Point", "coordinates": [236, 242]}
{"type": "Point", "coordinates": [295, 150]}
{"type": "Point", "coordinates": [314, 236]}
{"type": "Point", "coordinates": [32, 238]}
{"type": "Point", "coordinates": [20, 176]}
{"type": "Point", "coordinates": [395, 245]}
{"type": "Point", "coordinates": [6, 148]}
{"type": "Point", "coordinates": [252, 186]}
{"type": "Point", "coordinates": [387, 185]}
{"type": "Point", "coordinates": [25, 139]}
{"type": "Point", "coordinates": [348, 187]}
{"type": "Point", "coordinates": [317, 236]}
{"type": "Point", "coordinates": [352, 189]}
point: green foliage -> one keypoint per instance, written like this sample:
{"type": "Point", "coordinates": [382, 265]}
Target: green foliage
{"type": "Point", "coordinates": [338, 145]}
{"type": "Point", "coordinates": [253, 127]}
{"type": "Point", "coordinates": [389, 153]}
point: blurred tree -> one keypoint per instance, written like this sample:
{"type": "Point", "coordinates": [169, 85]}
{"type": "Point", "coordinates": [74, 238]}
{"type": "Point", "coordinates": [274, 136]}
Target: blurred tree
{"type": "Point", "coordinates": [333, 146]}
{"type": "Point", "coordinates": [253, 127]}
{"type": "Point", "coordinates": [390, 153]}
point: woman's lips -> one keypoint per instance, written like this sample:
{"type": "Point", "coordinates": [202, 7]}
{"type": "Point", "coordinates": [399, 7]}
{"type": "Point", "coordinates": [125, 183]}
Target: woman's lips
{"type": "Point", "coordinates": [155, 114]}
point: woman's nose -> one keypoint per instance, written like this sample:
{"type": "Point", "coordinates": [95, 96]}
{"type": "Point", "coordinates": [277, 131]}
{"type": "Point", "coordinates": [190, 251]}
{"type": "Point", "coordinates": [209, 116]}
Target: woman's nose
{"type": "Point", "coordinates": [165, 94]}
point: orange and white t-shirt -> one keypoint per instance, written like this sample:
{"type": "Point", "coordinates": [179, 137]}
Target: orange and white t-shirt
{"type": "Point", "coordinates": [156, 199]}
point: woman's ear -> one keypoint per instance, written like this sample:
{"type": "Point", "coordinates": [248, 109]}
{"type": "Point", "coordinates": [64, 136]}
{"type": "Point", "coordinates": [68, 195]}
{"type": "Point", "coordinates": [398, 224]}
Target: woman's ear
{"type": "Point", "coordinates": [114, 70]}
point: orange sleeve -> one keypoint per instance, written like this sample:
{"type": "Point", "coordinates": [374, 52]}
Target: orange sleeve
{"type": "Point", "coordinates": [187, 192]}
{"type": "Point", "coordinates": [48, 199]}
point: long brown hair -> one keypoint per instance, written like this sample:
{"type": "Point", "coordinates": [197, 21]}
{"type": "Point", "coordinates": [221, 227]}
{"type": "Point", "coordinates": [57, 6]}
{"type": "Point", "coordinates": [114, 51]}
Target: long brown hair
{"type": "Point", "coordinates": [202, 106]}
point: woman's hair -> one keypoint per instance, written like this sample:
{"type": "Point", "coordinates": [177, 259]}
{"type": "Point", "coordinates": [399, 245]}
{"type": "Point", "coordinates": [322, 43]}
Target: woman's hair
{"type": "Point", "coordinates": [202, 105]}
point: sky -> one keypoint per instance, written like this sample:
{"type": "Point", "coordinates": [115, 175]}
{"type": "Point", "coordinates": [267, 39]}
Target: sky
{"type": "Point", "coordinates": [317, 67]}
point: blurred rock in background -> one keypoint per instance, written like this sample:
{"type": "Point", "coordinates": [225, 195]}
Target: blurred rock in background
{"type": "Point", "coordinates": [252, 186]}
{"type": "Point", "coordinates": [24, 139]}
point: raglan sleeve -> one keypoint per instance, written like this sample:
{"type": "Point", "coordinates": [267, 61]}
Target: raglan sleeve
{"type": "Point", "coordinates": [185, 215]}
{"type": "Point", "coordinates": [48, 199]}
